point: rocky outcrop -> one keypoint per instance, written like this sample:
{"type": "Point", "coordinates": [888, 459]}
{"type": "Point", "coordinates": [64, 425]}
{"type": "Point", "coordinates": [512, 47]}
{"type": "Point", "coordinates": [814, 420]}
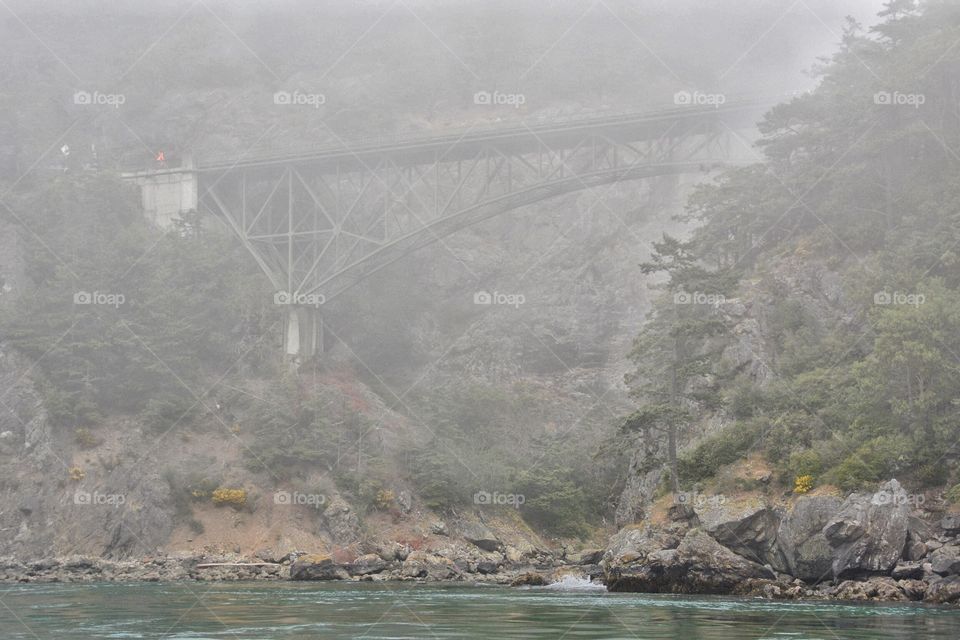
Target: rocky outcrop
{"type": "Point", "coordinates": [946, 560]}
{"type": "Point", "coordinates": [366, 565]}
{"type": "Point", "coordinates": [866, 547]}
{"type": "Point", "coordinates": [480, 535]}
{"type": "Point", "coordinates": [317, 567]}
{"type": "Point", "coordinates": [342, 523]}
{"type": "Point", "coordinates": [699, 564]}
{"type": "Point", "coordinates": [749, 529]}
{"type": "Point", "coordinates": [635, 543]}
{"type": "Point", "coordinates": [944, 591]}
{"type": "Point", "coordinates": [951, 523]}
{"type": "Point", "coordinates": [874, 588]}
{"type": "Point", "coordinates": [422, 564]}
{"type": "Point", "coordinates": [805, 549]}
{"type": "Point", "coordinates": [869, 533]}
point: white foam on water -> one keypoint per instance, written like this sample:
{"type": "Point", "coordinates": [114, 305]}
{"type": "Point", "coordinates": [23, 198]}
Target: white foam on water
{"type": "Point", "coordinates": [575, 583]}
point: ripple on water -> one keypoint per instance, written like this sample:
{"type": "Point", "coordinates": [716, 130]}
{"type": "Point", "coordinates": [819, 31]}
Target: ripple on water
{"type": "Point", "coordinates": [571, 607]}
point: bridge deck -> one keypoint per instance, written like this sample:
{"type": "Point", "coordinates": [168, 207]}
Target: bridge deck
{"type": "Point", "coordinates": [462, 144]}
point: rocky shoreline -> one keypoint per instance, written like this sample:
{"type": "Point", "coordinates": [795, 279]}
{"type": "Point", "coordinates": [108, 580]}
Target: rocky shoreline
{"type": "Point", "coordinates": [869, 546]}
{"type": "Point", "coordinates": [872, 547]}
{"type": "Point", "coordinates": [416, 566]}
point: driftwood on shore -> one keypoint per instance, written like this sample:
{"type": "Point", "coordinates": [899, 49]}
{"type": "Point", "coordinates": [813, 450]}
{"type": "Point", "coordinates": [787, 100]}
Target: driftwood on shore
{"type": "Point", "coordinates": [207, 565]}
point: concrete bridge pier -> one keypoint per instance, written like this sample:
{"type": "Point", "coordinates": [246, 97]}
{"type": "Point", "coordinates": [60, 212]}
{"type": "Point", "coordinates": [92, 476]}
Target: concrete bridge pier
{"type": "Point", "coordinates": [166, 194]}
{"type": "Point", "coordinates": [303, 333]}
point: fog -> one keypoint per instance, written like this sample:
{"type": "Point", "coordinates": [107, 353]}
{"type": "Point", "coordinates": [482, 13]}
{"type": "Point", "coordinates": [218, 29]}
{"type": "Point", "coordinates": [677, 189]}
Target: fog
{"type": "Point", "coordinates": [608, 295]}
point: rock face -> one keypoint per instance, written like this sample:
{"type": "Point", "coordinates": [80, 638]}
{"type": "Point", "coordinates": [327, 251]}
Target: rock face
{"type": "Point", "coordinates": [632, 544]}
{"type": "Point", "coordinates": [749, 530]}
{"type": "Point", "coordinates": [805, 548]}
{"type": "Point", "coordinates": [698, 565]}
{"type": "Point", "coordinates": [869, 533]}
{"type": "Point", "coordinates": [342, 523]}
{"type": "Point", "coordinates": [317, 567]}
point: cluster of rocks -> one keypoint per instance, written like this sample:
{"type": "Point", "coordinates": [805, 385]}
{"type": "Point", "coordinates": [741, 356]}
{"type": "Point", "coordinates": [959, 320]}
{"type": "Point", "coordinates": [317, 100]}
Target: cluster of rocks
{"type": "Point", "coordinates": [482, 557]}
{"type": "Point", "coordinates": [155, 569]}
{"type": "Point", "coordinates": [476, 554]}
{"type": "Point", "coordinates": [867, 547]}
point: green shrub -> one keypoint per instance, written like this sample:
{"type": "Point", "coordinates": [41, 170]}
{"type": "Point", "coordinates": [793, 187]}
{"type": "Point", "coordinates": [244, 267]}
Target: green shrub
{"type": "Point", "coordinates": [933, 474]}
{"type": "Point", "coordinates": [86, 439]}
{"type": "Point", "coordinates": [789, 432]}
{"type": "Point", "coordinates": [728, 446]}
{"type": "Point", "coordinates": [875, 460]}
{"type": "Point", "coordinates": [953, 494]}
{"type": "Point", "coordinates": [168, 410]}
{"type": "Point", "coordinates": [553, 501]}
{"type": "Point", "coordinates": [808, 462]}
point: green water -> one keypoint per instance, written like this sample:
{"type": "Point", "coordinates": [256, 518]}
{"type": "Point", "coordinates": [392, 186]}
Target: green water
{"type": "Point", "coordinates": [303, 610]}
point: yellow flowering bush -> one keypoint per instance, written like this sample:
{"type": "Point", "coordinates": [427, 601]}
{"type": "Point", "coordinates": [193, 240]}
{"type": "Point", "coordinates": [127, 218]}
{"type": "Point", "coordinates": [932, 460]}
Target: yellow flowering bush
{"type": "Point", "coordinates": [233, 497]}
{"type": "Point", "coordinates": [803, 484]}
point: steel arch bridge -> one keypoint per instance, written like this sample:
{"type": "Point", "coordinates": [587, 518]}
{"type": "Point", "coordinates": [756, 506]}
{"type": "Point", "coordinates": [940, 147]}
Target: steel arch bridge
{"type": "Point", "coordinates": [320, 221]}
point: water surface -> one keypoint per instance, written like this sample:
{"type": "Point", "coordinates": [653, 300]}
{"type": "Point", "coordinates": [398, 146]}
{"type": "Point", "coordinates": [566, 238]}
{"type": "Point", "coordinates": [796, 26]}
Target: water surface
{"type": "Point", "coordinates": [196, 611]}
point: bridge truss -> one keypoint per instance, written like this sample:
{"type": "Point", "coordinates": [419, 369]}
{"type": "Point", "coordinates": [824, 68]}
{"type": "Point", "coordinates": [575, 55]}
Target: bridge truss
{"type": "Point", "coordinates": [319, 222]}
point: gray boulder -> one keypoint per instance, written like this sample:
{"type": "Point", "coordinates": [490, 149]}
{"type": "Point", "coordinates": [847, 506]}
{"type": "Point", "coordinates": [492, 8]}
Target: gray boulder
{"type": "Point", "coordinates": [421, 564]}
{"type": "Point", "coordinates": [480, 535]}
{"type": "Point", "coordinates": [943, 591]}
{"type": "Point", "coordinates": [747, 529]}
{"type": "Point", "coordinates": [869, 533]}
{"type": "Point", "coordinates": [587, 556]}
{"type": "Point", "coordinates": [367, 565]}
{"type": "Point", "coordinates": [317, 567]}
{"type": "Point", "coordinates": [805, 549]}
{"type": "Point", "coordinates": [634, 543]}
{"type": "Point", "coordinates": [946, 560]}
{"type": "Point", "coordinates": [699, 564]}
{"type": "Point", "coordinates": [907, 571]}
{"type": "Point", "coordinates": [950, 523]}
